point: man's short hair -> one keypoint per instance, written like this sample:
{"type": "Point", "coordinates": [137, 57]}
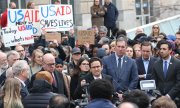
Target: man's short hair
{"type": "Point", "coordinates": [12, 52]}
{"type": "Point", "coordinates": [146, 44]}
{"type": "Point", "coordinates": [98, 89]}
{"type": "Point", "coordinates": [19, 66]}
{"type": "Point", "coordinates": [93, 59]}
{"type": "Point", "coordinates": [121, 39]}
{"type": "Point", "coordinates": [164, 102]}
{"type": "Point", "coordinates": [59, 101]}
{"type": "Point", "coordinates": [137, 97]}
{"type": "Point", "coordinates": [164, 42]}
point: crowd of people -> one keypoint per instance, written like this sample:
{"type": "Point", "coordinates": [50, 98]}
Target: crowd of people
{"type": "Point", "coordinates": [50, 74]}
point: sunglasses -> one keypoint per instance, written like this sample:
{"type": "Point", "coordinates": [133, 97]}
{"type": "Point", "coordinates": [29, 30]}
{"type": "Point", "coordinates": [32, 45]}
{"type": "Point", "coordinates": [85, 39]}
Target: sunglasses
{"type": "Point", "coordinates": [155, 27]}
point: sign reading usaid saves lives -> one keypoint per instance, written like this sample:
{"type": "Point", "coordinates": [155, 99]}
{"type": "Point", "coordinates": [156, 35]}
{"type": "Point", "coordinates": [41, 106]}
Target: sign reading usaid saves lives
{"type": "Point", "coordinates": [25, 16]}
{"type": "Point", "coordinates": [56, 17]}
{"type": "Point", "coordinates": [22, 34]}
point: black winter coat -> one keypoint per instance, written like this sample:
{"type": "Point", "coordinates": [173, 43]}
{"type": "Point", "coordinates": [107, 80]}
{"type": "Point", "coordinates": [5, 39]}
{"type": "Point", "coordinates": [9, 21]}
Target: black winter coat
{"type": "Point", "coordinates": [39, 96]}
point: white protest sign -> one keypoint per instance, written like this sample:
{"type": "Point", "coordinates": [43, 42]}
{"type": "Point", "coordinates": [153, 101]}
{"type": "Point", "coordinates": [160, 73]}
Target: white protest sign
{"type": "Point", "coordinates": [56, 17]}
{"type": "Point", "coordinates": [14, 35]}
{"type": "Point", "coordinates": [25, 16]}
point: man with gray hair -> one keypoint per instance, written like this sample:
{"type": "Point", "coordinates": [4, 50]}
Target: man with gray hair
{"type": "Point", "coordinates": [3, 62]}
{"type": "Point", "coordinates": [20, 70]}
{"type": "Point", "coordinates": [12, 57]}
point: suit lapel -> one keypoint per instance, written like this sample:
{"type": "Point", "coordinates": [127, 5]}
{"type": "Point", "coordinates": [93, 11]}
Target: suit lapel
{"type": "Point", "coordinates": [160, 69]}
{"type": "Point", "coordinates": [142, 64]}
{"type": "Point", "coordinates": [114, 64]}
{"type": "Point", "coordinates": [150, 65]}
{"type": "Point", "coordinates": [170, 68]}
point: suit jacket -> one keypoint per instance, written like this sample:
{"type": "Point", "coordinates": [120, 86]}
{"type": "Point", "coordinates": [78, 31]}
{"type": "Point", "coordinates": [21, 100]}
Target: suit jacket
{"type": "Point", "coordinates": [171, 83]}
{"type": "Point", "coordinates": [59, 87]}
{"type": "Point", "coordinates": [141, 68]}
{"type": "Point", "coordinates": [24, 91]}
{"type": "Point", "coordinates": [127, 78]}
{"type": "Point", "coordinates": [89, 78]}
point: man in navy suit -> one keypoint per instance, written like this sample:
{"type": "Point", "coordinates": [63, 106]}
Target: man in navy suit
{"type": "Point", "coordinates": [122, 68]}
{"type": "Point", "coordinates": [145, 63]}
{"type": "Point", "coordinates": [166, 72]}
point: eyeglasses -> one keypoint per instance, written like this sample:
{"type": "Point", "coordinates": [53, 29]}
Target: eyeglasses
{"type": "Point", "coordinates": [50, 64]}
{"type": "Point", "coordinates": [85, 64]}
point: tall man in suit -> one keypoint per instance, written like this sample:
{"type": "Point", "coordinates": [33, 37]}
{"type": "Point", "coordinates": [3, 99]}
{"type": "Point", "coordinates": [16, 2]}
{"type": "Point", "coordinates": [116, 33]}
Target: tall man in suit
{"type": "Point", "coordinates": [96, 67]}
{"type": "Point", "coordinates": [122, 68]}
{"type": "Point", "coordinates": [146, 62]}
{"type": "Point", "coordinates": [166, 72]}
{"type": "Point", "coordinates": [20, 70]}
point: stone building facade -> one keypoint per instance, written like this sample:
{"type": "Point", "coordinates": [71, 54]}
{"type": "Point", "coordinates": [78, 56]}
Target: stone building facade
{"type": "Point", "coordinates": [127, 19]}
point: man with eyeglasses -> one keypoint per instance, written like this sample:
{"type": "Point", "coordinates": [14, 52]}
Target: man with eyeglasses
{"type": "Point", "coordinates": [96, 67]}
{"type": "Point", "coordinates": [58, 80]}
{"type": "Point", "coordinates": [20, 49]}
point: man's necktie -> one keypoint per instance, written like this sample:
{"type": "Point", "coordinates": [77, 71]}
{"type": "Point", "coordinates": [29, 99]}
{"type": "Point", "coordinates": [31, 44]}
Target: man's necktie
{"type": "Point", "coordinates": [119, 64]}
{"type": "Point", "coordinates": [165, 69]}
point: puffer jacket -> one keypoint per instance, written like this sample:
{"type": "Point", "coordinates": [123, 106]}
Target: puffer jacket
{"type": "Point", "coordinates": [39, 96]}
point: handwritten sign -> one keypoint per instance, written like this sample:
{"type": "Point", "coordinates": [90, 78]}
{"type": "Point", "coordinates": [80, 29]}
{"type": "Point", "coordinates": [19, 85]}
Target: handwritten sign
{"type": "Point", "coordinates": [25, 16]}
{"type": "Point", "coordinates": [85, 36]}
{"type": "Point", "coordinates": [14, 35]}
{"type": "Point", "coordinates": [53, 36]}
{"type": "Point", "coordinates": [56, 17]}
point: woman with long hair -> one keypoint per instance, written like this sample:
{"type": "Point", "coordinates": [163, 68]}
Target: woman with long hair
{"type": "Point", "coordinates": [155, 31]}
{"type": "Point", "coordinates": [81, 70]}
{"type": "Point", "coordinates": [97, 14]}
{"type": "Point", "coordinates": [36, 61]}
{"type": "Point", "coordinates": [11, 97]}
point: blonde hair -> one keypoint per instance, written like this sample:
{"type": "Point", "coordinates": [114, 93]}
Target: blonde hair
{"type": "Point", "coordinates": [12, 97]}
{"type": "Point", "coordinates": [34, 55]}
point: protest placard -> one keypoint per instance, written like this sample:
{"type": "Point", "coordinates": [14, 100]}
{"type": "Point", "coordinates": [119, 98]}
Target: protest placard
{"type": "Point", "coordinates": [22, 34]}
{"type": "Point", "coordinates": [84, 36]}
{"type": "Point", "coordinates": [53, 36]}
{"type": "Point", "coordinates": [25, 16]}
{"type": "Point", "coordinates": [56, 17]}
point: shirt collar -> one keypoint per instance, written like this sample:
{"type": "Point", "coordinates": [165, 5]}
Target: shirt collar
{"type": "Point", "coordinates": [21, 81]}
{"type": "Point", "coordinates": [168, 60]}
{"type": "Point", "coordinates": [117, 57]}
{"type": "Point", "coordinates": [100, 77]}
{"type": "Point", "coordinates": [146, 60]}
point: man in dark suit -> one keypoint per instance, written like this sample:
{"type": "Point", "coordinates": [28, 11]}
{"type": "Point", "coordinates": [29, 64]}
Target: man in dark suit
{"type": "Point", "coordinates": [20, 70]}
{"type": "Point", "coordinates": [96, 67]}
{"type": "Point", "coordinates": [146, 62]}
{"type": "Point", "coordinates": [122, 68]}
{"type": "Point", "coordinates": [58, 80]}
{"type": "Point", "coordinates": [166, 72]}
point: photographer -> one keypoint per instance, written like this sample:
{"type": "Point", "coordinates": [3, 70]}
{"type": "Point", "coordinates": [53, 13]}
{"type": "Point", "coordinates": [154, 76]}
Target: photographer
{"type": "Point", "coordinates": [100, 95]}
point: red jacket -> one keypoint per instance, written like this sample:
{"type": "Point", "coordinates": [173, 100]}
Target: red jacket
{"type": "Point", "coordinates": [4, 19]}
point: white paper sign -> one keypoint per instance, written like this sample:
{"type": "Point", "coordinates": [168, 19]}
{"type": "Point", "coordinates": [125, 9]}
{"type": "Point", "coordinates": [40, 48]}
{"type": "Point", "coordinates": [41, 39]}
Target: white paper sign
{"type": "Point", "coordinates": [14, 35]}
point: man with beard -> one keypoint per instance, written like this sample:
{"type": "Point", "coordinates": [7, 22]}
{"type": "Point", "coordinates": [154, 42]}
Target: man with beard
{"type": "Point", "coordinates": [166, 72]}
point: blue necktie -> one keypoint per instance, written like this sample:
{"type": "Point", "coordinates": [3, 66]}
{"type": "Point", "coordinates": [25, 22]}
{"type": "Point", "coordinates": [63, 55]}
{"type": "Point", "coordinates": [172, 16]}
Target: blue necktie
{"type": "Point", "coordinates": [119, 64]}
{"type": "Point", "coordinates": [165, 68]}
